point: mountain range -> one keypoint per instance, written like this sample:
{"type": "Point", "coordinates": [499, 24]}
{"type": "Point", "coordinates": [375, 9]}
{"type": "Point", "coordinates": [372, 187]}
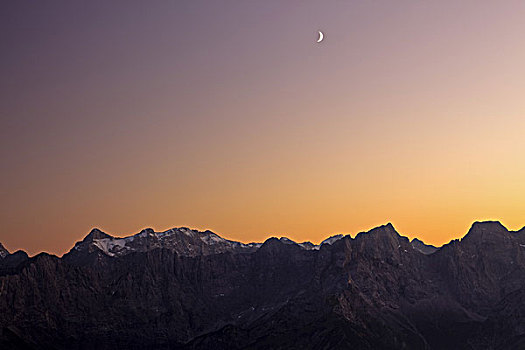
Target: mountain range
{"type": "Point", "coordinates": [187, 289]}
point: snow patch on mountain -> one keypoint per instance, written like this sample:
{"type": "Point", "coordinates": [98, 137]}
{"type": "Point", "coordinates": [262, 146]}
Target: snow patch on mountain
{"type": "Point", "coordinates": [184, 241]}
{"type": "Point", "coordinates": [331, 240]}
{"type": "Point", "coordinates": [286, 240]}
{"type": "Point", "coordinates": [113, 246]}
{"type": "Point", "coordinates": [188, 242]}
{"type": "Point", "coordinates": [212, 238]}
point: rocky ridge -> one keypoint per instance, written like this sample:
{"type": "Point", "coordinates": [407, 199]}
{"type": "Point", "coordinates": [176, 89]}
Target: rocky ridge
{"type": "Point", "coordinates": [186, 289]}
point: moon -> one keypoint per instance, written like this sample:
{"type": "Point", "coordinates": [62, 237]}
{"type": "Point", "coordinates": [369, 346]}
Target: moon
{"type": "Point", "coordinates": [321, 37]}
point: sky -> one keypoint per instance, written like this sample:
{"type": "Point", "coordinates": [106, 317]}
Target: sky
{"type": "Point", "coordinates": [228, 116]}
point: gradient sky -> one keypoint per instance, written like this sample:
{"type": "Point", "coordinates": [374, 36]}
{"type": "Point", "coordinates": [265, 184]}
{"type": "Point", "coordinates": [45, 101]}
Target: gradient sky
{"type": "Point", "coordinates": [226, 115]}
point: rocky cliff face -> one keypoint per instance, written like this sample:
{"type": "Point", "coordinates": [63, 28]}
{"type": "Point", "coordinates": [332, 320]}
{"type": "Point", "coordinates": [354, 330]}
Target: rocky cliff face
{"type": "Point", "coordinates": [185, 289]}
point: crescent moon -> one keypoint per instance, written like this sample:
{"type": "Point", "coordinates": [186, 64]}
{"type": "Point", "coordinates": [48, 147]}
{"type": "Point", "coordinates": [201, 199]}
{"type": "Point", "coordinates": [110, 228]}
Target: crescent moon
{"type": "Point", "coordinates": [321, 37]}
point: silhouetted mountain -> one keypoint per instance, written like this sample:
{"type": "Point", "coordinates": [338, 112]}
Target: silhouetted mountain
{"type": "Point", "coordinates": [3, 252]}
{"type": "Point", "coordinates": [183, 241]}
{"type": "Point", "coordinates": [10, 262]}
{"type": "Point", "coordinates": [422, 247]}
{"type": "Point", "coordinates": [186, 289]}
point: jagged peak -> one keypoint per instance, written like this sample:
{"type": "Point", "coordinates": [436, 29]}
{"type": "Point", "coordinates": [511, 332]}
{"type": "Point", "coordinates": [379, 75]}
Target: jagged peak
{"type": "Point", "coordinates": [182, 229]}
{"type": "Point", "coordinates": [386, 230]}
{"type": "Point", "coordinates": [330, 240]}
{"type": "Point", "coordinates": [146, 232]}
{"type": "Point", "coordinates": [96, 234]}
{"type": "Point", "coordinates": [384, 235]}
{"type": "Point", "coordinates": [307, 245]}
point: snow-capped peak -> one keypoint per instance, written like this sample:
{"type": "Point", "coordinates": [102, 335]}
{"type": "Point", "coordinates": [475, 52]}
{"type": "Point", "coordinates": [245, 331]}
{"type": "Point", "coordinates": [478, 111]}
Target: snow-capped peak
{"type": "Point", "coordinates": [184, 241]}
{"type": "Point", "coordinates": [331, 240]}
{"type": "Point", "coordinates": [286, 240]}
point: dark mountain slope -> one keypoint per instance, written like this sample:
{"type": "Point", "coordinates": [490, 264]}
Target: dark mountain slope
{"type": "Point", "coordinates": [185, 289]}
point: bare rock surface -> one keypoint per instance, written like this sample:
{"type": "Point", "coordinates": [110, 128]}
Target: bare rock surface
{"type": "Point", "coordinates": [186, 289]}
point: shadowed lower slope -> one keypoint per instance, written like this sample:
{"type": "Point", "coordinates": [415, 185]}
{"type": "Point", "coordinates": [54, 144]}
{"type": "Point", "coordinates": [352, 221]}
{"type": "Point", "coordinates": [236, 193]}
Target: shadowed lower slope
{"type": "Point", "coordinates": [185, 289]}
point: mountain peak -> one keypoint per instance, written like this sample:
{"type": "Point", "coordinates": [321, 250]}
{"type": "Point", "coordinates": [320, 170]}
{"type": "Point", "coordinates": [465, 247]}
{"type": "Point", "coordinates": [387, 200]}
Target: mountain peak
{"type": "Point", "coordinates": [371, 292]}
{"type": "Point", "coordinates": [388, 227]}
{"type": "Point", "coordinates": [488, 226]}
{"type": "Point", "coordinates": [274, 244]}
{"type": "Point", "coordinates": [183, 241]}
{"type": "Point", "coordinates": [272, 241]}
{"type": "Point", "coordinates": [386, 230]}
{"type": "Point", "coordinates": [286, 240]}
{"type": "Point", "coordinates": [486, 231]}
{"type": "Point", "coordinates": [380, 240]}
{"type": "Point", "coordinates": [146, 232]}
{"type": "Point", "coordinates": [96, 234]}
{"type": "Point", "coordinates": [330, 240]}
